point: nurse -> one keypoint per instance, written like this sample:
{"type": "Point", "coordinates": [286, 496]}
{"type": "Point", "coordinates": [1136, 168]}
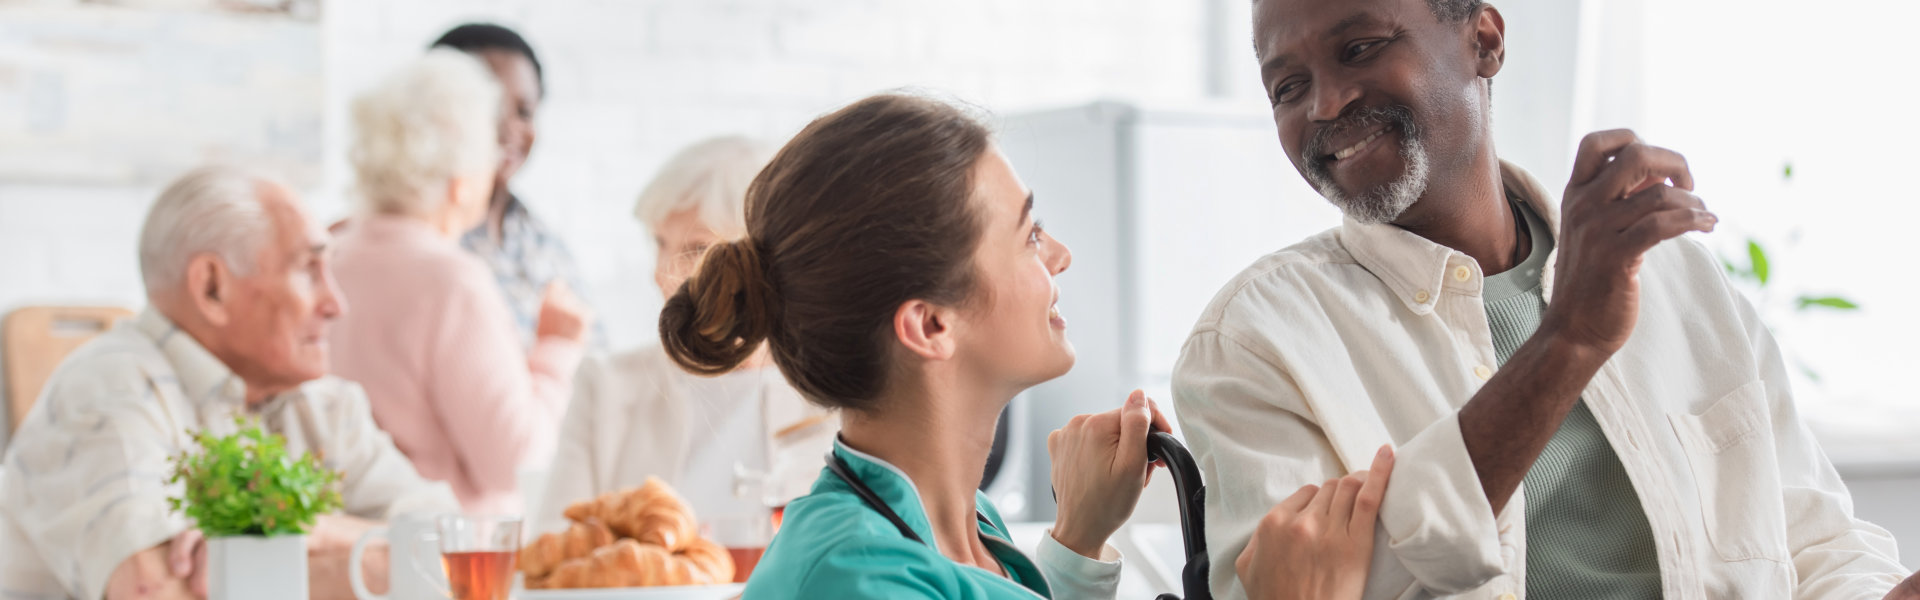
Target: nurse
{"type": "Point", "coordinates": [893, 267]}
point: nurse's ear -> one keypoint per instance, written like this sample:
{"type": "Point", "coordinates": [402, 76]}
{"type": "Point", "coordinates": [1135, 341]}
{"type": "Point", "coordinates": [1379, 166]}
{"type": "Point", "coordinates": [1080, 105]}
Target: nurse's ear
{"type": "Point", "coordinates": [925, 329]}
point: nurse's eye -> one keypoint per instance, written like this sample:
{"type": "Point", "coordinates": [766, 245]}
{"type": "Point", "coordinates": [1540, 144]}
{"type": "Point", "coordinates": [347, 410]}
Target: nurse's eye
{"type": "Point", "coordinates": [1033, 236]}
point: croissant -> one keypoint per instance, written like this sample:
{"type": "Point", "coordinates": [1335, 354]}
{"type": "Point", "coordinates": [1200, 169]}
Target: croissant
{"type": "Point", "coordinates": [711, 562]}
{"type": "Point", "coordinates": [651, 513]}
{"type": "Point", "coordinates": [625, 563]}
{"type": "Point", "coordinates": [545, 554]}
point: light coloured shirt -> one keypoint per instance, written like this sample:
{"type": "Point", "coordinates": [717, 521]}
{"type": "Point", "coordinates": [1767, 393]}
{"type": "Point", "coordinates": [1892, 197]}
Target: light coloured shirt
{"type": "Point", "coordinates": [729, 439]}
{"type": "Point", "coordinates": [1316, 355]}
{"type": "Point", "coordinates": [636, 415]}
{"type": "Point", "coordinates": [524, 259]}
{"type": "Point", "coordinates": [428, 335]}
{"type": "Point", "coordinates": [85, 485]}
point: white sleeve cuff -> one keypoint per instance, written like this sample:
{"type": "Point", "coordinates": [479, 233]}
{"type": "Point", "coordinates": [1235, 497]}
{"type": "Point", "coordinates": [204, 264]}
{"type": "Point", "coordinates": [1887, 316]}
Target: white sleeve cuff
{"type": "Point", "coordinates": [1437, 518]}
{"type": "Point", "coordinates": [1073, 576]}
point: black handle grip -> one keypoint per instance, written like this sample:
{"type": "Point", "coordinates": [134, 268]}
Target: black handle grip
{"type": "Point", "coordinates": [1193, 505]}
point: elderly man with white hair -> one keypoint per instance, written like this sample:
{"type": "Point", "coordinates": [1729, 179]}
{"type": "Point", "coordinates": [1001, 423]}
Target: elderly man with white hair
{"type": "Point", "coordinates": [636, 415]}
{"type": "Point", "coordinates": [431, 337]}
{"type": "Point", "coordinates": [240, 296]}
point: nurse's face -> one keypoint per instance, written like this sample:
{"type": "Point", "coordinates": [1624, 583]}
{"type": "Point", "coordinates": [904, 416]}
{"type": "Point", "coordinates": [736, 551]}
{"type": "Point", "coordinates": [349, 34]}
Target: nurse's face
{"type": "Point", "coordinates": [1014, 332]}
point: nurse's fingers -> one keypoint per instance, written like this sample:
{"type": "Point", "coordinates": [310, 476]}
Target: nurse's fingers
{"type": "Point", "coordinates": [1323, 499]}
{"type": "Point", "coordinates": [1366, 506]}
{"type": "Point", "coordinates": [1342, 508]}
{"type": "Point", "coordinates": [1299, 500]}
{"type": "Point", "coordinates": [1134, 422]}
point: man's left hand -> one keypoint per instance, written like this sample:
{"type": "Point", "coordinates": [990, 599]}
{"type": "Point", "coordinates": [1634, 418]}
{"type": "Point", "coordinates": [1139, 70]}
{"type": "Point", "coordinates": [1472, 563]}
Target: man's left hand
{"type": "Point", "coordinates": [1907, 590]}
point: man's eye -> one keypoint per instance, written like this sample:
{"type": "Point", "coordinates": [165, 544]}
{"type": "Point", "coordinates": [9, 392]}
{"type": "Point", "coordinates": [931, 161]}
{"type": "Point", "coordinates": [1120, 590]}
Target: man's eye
{"type": "Point", "coordinates": [1288, 92]}
{"type": "Point", "coordinates": [1356, 50]}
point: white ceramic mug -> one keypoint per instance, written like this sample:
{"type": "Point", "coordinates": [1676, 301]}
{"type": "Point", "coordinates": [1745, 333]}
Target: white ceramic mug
{"type": "Point", "coordinates": [413, 560]}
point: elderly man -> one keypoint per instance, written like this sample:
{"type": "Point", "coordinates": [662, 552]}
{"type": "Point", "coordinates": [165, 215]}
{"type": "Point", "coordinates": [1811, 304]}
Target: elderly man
{"type": "Point", "coordinates": [240, 293]}
{"type": "Point", "coordinates": [1611, 423]}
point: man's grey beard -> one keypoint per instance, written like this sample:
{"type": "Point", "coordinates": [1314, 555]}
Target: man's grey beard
{"type": "Point", "coordinates": [1384, 203]}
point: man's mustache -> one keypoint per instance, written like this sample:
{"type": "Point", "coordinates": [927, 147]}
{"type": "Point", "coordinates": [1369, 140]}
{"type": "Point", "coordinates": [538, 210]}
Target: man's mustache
{"type": "Point", "coordinates": [1320, 146]}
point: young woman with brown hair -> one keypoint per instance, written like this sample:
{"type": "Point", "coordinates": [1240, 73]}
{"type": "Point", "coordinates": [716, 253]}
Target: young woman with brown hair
{"type": "Point", "coordinates": [893, 267]}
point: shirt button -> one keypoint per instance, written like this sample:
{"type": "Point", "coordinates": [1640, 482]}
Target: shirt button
{"type": "Point", "coordinates": [1506, 597]}
{"type": "Point", "coordinates": [1462, 273]}
{"type": "Point", "coordinates": [1421, 297]}
{"type": "Point", "coordinates": [1483, 372]}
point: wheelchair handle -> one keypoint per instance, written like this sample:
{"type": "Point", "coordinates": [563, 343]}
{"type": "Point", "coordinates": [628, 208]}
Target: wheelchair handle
{"type": "Point", "coordinates": [1193, 504]}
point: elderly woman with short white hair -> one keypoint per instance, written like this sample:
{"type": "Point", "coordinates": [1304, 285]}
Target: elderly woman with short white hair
{"type": "Point", "coordinates": [731, 444]}
{"type": "Point", "coordinates": [429, 335]}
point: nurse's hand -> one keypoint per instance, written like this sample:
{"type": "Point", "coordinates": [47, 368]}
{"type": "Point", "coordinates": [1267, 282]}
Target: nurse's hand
{"type": "Point", "coordinates": [1099, 467]}
{"type": "Point", "coordinates": [1316, 545]}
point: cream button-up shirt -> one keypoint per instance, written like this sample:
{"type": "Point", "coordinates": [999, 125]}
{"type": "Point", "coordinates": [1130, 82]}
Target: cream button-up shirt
{"type": "Point", "coordinates": [1367, 334]}
{"type": "Point", "coordinates": [632, 417]}
{"type": "Point", "coordinates": [85, 481]}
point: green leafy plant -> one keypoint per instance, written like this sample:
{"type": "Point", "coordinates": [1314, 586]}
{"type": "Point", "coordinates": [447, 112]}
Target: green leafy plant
{"type": "Point", "coordinates": [1757, 274]}
{"type": "Point", "coordinates": [247, 484]}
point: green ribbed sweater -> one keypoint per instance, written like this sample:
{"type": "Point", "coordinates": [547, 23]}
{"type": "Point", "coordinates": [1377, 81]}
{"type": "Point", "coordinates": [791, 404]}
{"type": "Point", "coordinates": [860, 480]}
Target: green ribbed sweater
{"type": "Point", "coordinates": [1587, 536]}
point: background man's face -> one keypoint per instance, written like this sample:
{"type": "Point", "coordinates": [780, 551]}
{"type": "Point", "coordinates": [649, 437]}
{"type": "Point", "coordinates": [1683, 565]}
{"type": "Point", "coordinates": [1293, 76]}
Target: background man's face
{"type": "Point", "coordinates": [280, 312]}
{"type": "Point", "coordinates": [1371, 97]}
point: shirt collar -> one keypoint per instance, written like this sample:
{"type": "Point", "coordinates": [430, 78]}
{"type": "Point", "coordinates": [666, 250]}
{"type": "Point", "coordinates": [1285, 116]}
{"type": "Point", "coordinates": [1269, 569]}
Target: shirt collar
{"type": "Point", "coordinates": [1417, 270]}
{"type": "Point", "coordinates": [890, 484]}
{"type": "Point", "coordinates": [206, 381]}
{"type": "Point", "coordinates": [894, 488]}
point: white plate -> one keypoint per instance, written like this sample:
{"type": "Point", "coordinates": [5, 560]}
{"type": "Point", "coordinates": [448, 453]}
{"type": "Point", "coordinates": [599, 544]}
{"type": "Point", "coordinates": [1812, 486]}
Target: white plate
{"type": "Point", "coordinates": [678, 592]}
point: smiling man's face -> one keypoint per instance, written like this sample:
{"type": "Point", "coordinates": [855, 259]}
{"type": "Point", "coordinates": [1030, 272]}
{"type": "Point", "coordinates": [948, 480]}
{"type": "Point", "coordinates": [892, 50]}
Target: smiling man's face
{"type": "Point", "coordinates": [1373, 98]}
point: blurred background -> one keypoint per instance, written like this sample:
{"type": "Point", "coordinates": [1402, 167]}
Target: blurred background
{"type": "Point", "coordinates": [1139, 123]}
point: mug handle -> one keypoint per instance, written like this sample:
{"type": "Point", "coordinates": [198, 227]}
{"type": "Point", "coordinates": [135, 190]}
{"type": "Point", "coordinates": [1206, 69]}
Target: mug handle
{"type": "Point", "coordinates": [354, 569]}
{"type": "Point", "coordinates": [436, 578]}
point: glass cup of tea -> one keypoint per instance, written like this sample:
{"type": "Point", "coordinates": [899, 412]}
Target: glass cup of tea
{"type": "Point", "coordinates": [479, 553]}
{"type": "Point", "coordinates": [745, 537]}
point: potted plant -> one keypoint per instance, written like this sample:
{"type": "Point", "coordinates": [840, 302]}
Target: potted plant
{"type": "Point", "coordinates": [254, 502]}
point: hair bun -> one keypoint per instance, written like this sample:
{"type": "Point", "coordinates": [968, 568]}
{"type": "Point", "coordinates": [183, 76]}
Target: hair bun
{"type": "Point", "coordinates": [719, 317]}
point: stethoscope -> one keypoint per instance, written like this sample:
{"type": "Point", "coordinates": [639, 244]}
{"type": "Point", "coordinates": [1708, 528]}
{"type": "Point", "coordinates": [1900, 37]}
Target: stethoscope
{"type": "Point", "coordinates": [845, 473]}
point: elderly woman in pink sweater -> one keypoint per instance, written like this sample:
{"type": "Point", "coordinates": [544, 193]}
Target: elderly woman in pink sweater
{"type": "Point", "coordinates": [429, 336]}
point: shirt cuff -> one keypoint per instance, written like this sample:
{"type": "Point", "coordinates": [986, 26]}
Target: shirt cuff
{"type": "Point", "coordinates": [122, 541]}
{"type": "Point", "coordinates": [1437, 518]}
{"type": "Point", "coordinates": [424, 498]}
{"type": "Point", "coordinates": [557, 357]}
{"type": "Point", "coordinates": [1072, 575]}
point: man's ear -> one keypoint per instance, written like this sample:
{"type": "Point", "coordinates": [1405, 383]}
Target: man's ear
{"type": "Point", "coordinates": [1489, 40]}
{"type": "Point", "coordinates": [210, 288]}
{"type": "Point", "coordinates": [924, 329]}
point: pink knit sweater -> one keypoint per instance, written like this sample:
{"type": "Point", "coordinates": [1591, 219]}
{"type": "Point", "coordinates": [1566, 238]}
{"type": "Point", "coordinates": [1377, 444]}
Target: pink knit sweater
{"type": "Point", "coordinates": [429, 336]}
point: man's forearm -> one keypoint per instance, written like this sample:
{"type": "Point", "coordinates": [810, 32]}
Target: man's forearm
{"type": "Point", "coordinates": [1508, 423]}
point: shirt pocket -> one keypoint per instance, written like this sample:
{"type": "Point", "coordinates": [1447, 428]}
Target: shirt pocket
{"type": "Point", "coordinates": [1730, 449]}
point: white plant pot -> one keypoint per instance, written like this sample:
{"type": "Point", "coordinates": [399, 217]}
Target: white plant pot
{"type": "Point", "coordinates": [252, 567]}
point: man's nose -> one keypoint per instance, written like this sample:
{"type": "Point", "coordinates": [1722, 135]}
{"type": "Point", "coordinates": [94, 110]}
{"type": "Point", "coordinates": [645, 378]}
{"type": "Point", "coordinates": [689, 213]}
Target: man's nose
{"type": "Point", "coordinates": [1331, 97]}
{"type": "Point", "coordinates": [331, 304]}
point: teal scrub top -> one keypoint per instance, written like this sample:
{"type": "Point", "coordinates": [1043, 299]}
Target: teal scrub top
{"type": "Point", "coordinates": [832, 545]}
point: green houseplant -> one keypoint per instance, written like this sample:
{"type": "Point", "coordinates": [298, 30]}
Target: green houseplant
{"type": "Point", "coordinates": [1753, 273]}
{"type": "Point", "coordinates": [254, 501]}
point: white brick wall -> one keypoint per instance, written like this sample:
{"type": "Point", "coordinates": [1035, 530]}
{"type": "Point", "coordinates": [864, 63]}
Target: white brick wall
{"type": "Point", "coordinates": [630, 82]}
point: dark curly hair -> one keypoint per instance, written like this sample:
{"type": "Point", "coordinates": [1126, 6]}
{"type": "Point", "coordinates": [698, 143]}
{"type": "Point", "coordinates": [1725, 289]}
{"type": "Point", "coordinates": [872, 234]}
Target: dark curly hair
{"type": "Point", "coordinates": [473, 38]}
